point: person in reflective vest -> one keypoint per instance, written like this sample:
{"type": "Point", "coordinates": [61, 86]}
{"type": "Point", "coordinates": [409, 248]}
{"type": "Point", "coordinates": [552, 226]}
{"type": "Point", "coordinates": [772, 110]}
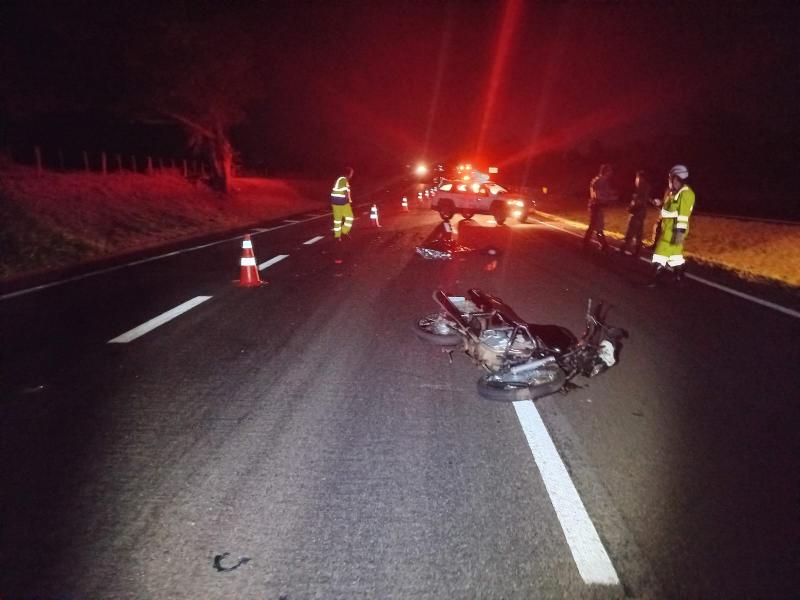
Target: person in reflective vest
{"type": "Point", "coordinates": [341, 205]}
{"type": "Point", "coordinates": [674, 227]}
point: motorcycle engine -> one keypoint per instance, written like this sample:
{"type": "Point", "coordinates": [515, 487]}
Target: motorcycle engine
{"type": "Point", "coordinates": [494, 344]}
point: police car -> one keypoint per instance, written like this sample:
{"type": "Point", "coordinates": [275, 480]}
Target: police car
{"type": "Point", "coordinates": [477, 195]}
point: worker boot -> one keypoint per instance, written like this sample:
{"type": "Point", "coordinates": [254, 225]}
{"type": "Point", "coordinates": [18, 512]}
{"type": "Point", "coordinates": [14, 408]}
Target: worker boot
{"type": "Point", "coordinates": [657, 277]}
{"type": "Point", "coordinates": [604, 247]}
{"type": "Point", "coordinates": [587, 242]}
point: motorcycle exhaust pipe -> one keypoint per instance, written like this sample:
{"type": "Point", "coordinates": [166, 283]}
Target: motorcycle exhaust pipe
{"type": "Point", "coordinates": [532, 366]}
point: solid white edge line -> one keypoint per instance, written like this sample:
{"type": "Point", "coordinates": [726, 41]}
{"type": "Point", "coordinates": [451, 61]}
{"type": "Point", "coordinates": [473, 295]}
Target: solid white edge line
{"type": "Point", "coordinates": [272, 261]}
{"type": "Point", "coordinates": [724, 288]}
{"type": "Point", "coordinates": [587, 550]}
{"type": "Point", "coordinates": [156, 321]}
{"type": "Point", "coordinates": [572, 233]}
{"type": "Point", "coordinates": [767, 303]}
{"type": "Point", "coordinates": [313, 240]}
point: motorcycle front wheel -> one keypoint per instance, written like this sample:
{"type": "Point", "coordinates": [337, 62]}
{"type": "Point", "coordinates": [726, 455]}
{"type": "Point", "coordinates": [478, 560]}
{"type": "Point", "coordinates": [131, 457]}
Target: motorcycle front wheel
{"type": "Point", "coordinates": [492, 386]}
{"type": "Point", "coordinates": [437, 329]}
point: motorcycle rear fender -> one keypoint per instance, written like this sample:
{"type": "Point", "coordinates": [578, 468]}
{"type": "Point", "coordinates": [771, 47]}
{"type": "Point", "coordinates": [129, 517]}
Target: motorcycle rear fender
{"type": "Point", "coordinates": [451, 310]}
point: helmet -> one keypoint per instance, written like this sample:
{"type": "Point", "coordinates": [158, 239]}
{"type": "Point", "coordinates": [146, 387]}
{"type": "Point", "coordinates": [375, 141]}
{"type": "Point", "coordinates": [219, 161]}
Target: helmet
{"type": "Point", "coordinates": [605, 169]}
{"type": "Point", "coordinates": [679, 171]}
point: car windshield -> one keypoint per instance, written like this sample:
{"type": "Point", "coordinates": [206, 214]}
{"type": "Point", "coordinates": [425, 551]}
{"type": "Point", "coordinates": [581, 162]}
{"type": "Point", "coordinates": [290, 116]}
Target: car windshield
{"type": "Point", "coordinates": [491, 187]}
{"type": "Point", "coordinates": [496, 188]}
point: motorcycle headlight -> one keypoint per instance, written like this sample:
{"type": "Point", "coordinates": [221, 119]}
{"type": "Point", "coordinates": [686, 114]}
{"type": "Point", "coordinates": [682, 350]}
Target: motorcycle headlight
{"type": "Point", "coordinates": [519, 203]}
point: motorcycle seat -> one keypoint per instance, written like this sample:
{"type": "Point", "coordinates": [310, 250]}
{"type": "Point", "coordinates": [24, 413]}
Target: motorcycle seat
{"type": "Point", "coordinates": [557, 338]}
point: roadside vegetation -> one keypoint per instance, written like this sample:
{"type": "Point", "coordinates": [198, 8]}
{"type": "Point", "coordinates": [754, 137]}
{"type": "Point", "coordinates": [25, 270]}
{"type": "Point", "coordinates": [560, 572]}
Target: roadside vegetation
{"type": "Point", "coordinates": [59, 219]}
{"type": "Point", "coordinates": [753, 250]}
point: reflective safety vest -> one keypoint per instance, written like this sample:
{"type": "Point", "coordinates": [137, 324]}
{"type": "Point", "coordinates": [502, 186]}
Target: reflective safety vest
{"type": "Point", "coordinates": [340, 194]}
{"type": "Point", "coordinates": [675, 215]}
{"type": "Point", "coordinates": [679, 207]}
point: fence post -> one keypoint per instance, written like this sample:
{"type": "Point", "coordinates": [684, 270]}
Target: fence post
{"type": "Point", "coordinates": [103, 163]}
{"type": "Point", "coordinates": [133, 164]}
{"type": "Point", "coordinates": [86, 161]}
{"type": "Point", "coordinates": [185, 169]}
{"type": "Point", "coordinates": [160, 165]}
{"type": "Point", "coordinates": [38, 152]}
{"type": "Point", "coordinates": [118, 157]}
{"type": "Point", "coordinates": [149, 165]}
{"type": "Point", "coordinates": [61, 159]}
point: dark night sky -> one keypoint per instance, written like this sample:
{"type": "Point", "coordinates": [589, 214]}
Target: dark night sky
{"type": "Point", "coordinates": [397, 74]}
{"type": "Point", "coordinates": [504, 82]}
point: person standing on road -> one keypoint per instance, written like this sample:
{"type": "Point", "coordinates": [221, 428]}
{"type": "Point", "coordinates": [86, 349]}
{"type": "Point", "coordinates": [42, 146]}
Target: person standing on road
{"type": "Point", "coordinates": [600, 196]}
{"type": "Point", "coordinates": [674, 226]}
{"type": "Point", "coordinates": [638, 211]}
{"type": "Point", "coordinates": [341, 205]}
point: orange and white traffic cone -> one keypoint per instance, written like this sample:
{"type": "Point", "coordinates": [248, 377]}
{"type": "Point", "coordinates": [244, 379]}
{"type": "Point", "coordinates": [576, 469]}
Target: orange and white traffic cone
{"type": "Point", "coordinates": [373, 216]}
{"type": "Point", "coordinates": [404, 204]}
{"type": "Point", "coordinates": [248, 272]}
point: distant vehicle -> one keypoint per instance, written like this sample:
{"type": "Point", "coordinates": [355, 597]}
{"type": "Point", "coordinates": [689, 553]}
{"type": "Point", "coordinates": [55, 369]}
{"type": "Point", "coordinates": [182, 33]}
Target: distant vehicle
{"type": "Point", "coordinates": [472, 197]}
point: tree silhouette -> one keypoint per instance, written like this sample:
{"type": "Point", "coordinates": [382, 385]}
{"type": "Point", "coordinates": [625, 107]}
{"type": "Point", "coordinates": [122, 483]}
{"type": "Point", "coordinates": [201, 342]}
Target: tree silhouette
{"type": "Point", "coordinates": [190, 63]}
{"type": "Point", "coordinates": [200, 73]}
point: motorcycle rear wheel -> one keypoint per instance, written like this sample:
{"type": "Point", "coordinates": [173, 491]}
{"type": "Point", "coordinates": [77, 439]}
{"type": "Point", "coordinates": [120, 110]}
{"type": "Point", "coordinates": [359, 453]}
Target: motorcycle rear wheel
{"type": "Point", "coordinates": [435, 329]}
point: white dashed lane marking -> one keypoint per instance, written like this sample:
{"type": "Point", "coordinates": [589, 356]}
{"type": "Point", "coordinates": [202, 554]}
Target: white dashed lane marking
{"type": "Point", "coordinates": [272, 261]}
{"type": "Point", "coordinates": [139, 331]}
{"type": "Point", "coordinates": [313, 240]}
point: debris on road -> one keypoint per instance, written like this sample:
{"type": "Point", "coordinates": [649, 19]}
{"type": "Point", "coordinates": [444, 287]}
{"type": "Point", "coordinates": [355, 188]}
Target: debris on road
{"type": "Point", "coordinates": [220, 557]}
{"type": "Point", "coordinates": [443, 249]}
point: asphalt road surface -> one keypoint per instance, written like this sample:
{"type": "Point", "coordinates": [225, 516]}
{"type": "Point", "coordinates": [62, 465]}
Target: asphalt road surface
{"type": "Point", "coordinates": [297, 440]}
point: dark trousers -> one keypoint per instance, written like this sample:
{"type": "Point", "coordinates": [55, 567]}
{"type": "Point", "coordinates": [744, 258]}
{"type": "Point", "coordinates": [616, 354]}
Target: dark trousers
{"type": "Point", "coordinates": [596, 226]}
{"type": "Point", "coordinates": [635, 232]}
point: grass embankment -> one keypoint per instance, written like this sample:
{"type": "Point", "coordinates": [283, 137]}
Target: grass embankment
{"type": "Point", "coordinates": [59, 219]}
{"type": "Point", "coordinates": [754, 251]}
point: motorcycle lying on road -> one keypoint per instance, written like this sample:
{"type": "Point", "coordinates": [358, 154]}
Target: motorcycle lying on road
{"type": "Point", "coordinates": [523, 360]}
